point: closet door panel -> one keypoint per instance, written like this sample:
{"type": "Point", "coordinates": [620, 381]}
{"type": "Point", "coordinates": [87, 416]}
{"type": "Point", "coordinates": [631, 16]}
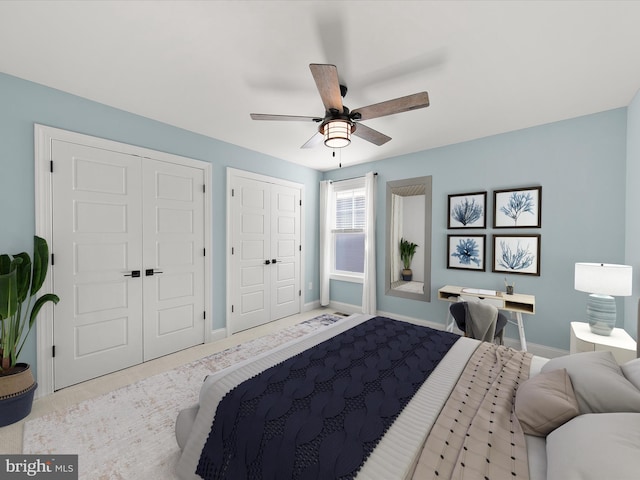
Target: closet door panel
{"type": "Point", "coordinates": [251, 203]}
{"type": "Point", "coordinates": [173, 207]}
{"type": "Point", "coordinates": [97, 233]}
{"type": "Point", "coordinates": [285, 241]}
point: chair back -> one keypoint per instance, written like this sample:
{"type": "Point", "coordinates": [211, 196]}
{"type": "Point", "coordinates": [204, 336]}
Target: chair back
{"type": "Point", "coordinates": [460, 312]}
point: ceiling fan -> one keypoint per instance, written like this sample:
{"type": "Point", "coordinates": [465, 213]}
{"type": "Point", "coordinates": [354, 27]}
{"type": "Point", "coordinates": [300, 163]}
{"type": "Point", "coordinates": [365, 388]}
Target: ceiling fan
{"type": "Point", "coordinates": [338, 122]}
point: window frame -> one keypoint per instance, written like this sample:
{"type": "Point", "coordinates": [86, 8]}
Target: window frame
{"type": "Point", "coordinates": [343, 186]}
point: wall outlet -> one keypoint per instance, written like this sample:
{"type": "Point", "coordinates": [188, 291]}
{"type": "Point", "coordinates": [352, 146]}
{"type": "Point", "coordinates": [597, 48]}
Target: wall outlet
{"type": "Point", "coordinates": [310, 285]}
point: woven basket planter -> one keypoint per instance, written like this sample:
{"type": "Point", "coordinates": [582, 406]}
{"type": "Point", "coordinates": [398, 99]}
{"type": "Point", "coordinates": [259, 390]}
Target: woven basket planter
{"type": "Point", "coordinates": [16, 394]}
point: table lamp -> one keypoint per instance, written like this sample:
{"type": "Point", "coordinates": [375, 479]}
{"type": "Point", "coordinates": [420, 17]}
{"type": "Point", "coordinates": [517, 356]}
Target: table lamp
{"type": "Point", "coordinates": [603, 281]}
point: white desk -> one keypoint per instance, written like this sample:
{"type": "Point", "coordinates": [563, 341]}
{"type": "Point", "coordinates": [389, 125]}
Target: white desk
{"type": "Point", "coordinates": [515, 304]}
{"type": "Point", "coordinates": [620, 343]}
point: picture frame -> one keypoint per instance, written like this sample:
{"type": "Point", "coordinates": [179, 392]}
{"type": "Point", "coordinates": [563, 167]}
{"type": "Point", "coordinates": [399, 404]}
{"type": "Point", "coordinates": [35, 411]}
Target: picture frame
{"type": "Point", "coordinates": [467, 210]}
{"type": "Point", "coordinates": [466, 252]}
{"type": "Point", "coordinates": [517, 254]}
{"type": "Point", "coordinates": [517, 208]}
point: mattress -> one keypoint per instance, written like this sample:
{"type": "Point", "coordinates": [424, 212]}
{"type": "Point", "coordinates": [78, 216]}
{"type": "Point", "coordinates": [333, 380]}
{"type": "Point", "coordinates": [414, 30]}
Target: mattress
{"type": "Point", "coordinates": [395, 455]}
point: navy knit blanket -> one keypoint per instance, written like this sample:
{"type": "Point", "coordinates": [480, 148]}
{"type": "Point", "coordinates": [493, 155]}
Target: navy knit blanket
{"type": "Point", "coordinates": [320, 414]}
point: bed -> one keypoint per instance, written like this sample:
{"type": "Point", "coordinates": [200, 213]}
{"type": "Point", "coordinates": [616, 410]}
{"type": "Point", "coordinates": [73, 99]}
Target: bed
{"type": "Point", "coordinates": [481, 411]}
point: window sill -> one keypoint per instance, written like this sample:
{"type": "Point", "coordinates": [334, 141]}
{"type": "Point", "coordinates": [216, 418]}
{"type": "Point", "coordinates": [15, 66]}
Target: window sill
{"type": "Point", "coordinates": [346, 278]}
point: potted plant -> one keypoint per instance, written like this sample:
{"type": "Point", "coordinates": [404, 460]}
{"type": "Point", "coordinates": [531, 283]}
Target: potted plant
{"type": "Point", "coordinates": [20, 281]}
{"type": "Point", "coordinates": [407, 251]}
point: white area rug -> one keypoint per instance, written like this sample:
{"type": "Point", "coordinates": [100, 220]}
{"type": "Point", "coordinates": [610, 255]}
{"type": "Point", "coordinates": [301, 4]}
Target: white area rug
{"type": "Point", "coordinates": [128, 434]}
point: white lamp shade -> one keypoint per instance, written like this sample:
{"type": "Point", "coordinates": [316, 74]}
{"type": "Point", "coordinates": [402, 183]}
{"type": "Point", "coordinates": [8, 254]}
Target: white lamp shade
{"type": "Point", "coordinates": [604, 279]}
{"type": "Point", "coordinates": [337, 134]}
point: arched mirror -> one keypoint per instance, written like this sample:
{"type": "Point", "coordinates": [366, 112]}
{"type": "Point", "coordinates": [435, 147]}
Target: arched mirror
{"type": "Point", "coordinates": [408, 252]}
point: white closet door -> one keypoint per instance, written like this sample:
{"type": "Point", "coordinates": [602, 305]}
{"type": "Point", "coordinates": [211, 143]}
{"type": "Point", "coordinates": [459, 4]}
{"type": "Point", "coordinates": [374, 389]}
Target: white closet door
{"type": "Point", "coordinates": [265, 265]}
{"type": "Point", "coordinates": [173, 268]}
{"type": "Point", "coordinates": [97, 240]}
{"type": "Point", "coordinates": [128, 240]}
{"type": "Point", "coordinates": [251, 243]}
{"type": "Point", "coordinates": [285, 250]}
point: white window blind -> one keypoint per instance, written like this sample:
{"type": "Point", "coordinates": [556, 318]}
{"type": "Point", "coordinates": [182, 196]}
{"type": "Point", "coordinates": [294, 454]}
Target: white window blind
{"type": "Point", "coordinates": [348, 232]}
{"type": "Point", "coordinates": [350, 211]}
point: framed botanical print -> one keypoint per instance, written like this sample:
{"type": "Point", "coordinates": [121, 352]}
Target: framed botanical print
{"type": "Point", "coordinates": [466, 252]}
{"type": "Point", "coordinates": [516, 254]}
{"type": "Point", "coordinates": [517, 208]}
{"type": "Point", "coordinates": [467, 210]}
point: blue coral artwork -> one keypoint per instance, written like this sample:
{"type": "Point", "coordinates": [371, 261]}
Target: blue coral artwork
{"type": "Point", "coordinates": [518, 254]}
{"type": "Point", "coordinates": [467, 210]}
{"type": "Point", "coordinates": [518, 208]}
{"type": "Point", "coordinates": [466, 252]}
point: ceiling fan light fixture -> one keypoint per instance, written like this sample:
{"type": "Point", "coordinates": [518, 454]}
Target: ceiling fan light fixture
{"type": "Point", "coordinates": [337, 133]}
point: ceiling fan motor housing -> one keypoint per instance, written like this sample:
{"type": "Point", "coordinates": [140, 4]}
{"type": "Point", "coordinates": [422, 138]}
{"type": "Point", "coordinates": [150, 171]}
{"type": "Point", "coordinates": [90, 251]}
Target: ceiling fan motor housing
{"type": "Point", "coordinates": [333, 115]}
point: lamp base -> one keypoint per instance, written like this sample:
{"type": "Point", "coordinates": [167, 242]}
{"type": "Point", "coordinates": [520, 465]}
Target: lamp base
{"type": "Point", "coordinates": [601, 314]}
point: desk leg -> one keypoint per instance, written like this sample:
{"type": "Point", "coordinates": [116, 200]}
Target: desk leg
{"type": "Point", "coordinates": [523, 341]}
{"type": "Point", "coordinates": [449, 323]}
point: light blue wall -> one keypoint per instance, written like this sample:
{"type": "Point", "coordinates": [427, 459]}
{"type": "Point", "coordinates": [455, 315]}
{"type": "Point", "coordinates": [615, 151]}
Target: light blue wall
{"type": "Point", "coordinates": [580, 164]}
{"type": "Point", "coordinates": [632, 256]}
{"type": "Point", "coordinates": [24, 103]}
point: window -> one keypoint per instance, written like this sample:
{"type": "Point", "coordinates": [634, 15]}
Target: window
{"type": "Point", "coordinates": [348, 232]}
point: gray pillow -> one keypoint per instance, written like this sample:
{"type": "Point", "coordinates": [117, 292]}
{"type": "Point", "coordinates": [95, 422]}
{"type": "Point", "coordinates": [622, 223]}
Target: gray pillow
{"type": "Point", "coordinates": [598, 382]}
{"type": "Point", "coordinates": [595, 447]}
{"type": "Point", "coordinates": [545, 402]}
{"type": "Point", "coordinates": [631, 371]}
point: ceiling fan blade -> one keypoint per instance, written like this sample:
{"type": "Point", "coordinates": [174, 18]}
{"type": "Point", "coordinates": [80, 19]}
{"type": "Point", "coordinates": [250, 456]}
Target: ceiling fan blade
{"type": "Point", "coordinates": [285, 118]}
{"type": "Point", "coordinates": [314, 141]}
{"type": "Point", "coordinates": [402, 104]}
{"type": "Point", "coordinates": [370, 135]}
{"type": "Point", "coordinates": [326, 77]}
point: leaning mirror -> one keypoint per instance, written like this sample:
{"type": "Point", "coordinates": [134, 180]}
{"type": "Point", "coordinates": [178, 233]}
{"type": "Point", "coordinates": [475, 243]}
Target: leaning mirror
{"type": "Point", "coordinates": [408, 252]}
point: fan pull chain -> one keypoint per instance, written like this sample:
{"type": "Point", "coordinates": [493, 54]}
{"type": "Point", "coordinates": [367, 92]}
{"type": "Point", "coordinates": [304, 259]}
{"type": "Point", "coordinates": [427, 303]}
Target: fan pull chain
{"type": "Point", "coordinates": [334, 156]}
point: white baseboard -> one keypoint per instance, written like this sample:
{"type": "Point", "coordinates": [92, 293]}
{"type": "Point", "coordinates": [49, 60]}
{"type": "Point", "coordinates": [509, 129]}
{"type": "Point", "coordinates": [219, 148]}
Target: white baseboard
{"type": "Point", "coordinates": [536, 349]}
{"type": "Point", "coordinates": [311, 306]}
{"type": "Point", "coordinates": [345, 307]}
{"type": "Point", "coordinates": [217, 334]}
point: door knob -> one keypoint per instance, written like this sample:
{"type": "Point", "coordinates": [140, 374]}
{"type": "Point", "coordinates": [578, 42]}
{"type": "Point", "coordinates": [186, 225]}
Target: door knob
{"type": "Point", "coordinates": [134, 274]}
{"type": "Point", "coordinates": [151, 271]}
{"type": "Point", "coordinates": [267, 262]}
{"type": "Point", "coordinates": [274, 261]}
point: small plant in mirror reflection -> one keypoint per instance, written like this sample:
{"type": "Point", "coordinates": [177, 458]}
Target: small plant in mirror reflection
{"type": "Point", "coordinates": [467, 251]}
{"type": "Point", "coordinates": [467, 212]}
{"type": "Point", "coordinates": [407, 251]}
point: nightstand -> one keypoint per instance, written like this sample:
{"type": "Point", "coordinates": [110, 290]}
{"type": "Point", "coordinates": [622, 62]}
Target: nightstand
{"type": "Point", "coordinates": [619, 342]}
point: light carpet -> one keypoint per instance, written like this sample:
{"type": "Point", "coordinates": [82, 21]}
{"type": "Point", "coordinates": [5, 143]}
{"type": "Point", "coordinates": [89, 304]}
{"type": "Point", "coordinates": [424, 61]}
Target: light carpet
{"type": "Point", "coordinates": [128, 434]}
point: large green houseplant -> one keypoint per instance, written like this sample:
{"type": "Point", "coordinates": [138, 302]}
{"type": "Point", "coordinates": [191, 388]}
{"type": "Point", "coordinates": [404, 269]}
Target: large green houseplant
{"type": "Point", "coordinates": [20, 282]}
{"type": "Point", "coordinates": [407, 251]}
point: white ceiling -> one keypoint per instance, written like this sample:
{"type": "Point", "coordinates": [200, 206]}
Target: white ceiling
{"type": "Point", "coordinates": [489, 67]}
